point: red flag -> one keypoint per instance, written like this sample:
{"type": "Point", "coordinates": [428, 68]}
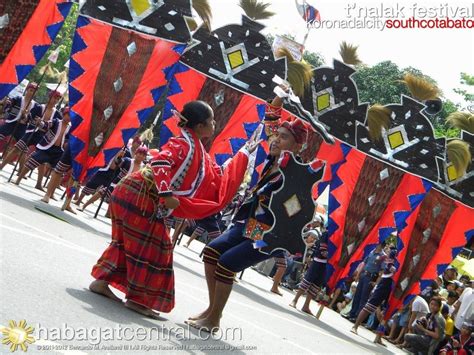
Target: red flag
{"type": "Point", "coordinates": [31, 29]}
{"type": "Point", "coordinates": [116, 78]}
{"type": "Point", "coordinates": [406, 198]}
{"type": "Point", "coordinates": [360, 193]}
{"type": "Point", "coordinates": [436, 233]}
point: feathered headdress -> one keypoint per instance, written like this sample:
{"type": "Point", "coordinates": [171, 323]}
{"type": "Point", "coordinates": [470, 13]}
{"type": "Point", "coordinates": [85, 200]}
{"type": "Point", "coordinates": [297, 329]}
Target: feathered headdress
{"type": "Point", "coordinates": [459, 155]}
{"type": "Point", "coordinates": [462, 120]}
{"type": "Point", "coordinates": [299, 74]}
{"type": "Point", "coordinates": [348, 53]}
{"type": "Point", "coordinates": [255, 9]}
{"type": "Point", "coordinates": [420, 88]}
{"type": "Point", "coordinates": [203, 9]}
{"type": "Point", "coordinates": [378, 117]}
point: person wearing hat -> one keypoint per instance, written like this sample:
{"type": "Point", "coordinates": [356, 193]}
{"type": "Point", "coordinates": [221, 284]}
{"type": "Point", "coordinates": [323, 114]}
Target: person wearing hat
{"type": "Point", "coordinates": [17, 112]}
{"type": "Point", "coordinates": [51, 147]}
{"type": "Point", "coordinates": [449, 275]}
{"type": "Point", "coordinates": [371, 267]}
{"type": "Point", "coordinates": [42, 118]}
{"type": "Point", "coordinates": [314, 277]}
{"type": "Point", "coordinates": [234, 250]}
{"type": "Point", "coordinates": [464, 279]}
{"type": "Point", "coordinates": [382, 289]}
{"type": "Point", "coordinates": [462, 343]}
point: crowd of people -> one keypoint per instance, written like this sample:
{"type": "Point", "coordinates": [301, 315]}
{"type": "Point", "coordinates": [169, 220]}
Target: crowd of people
{"type": "Point", "coordinates": [179, 186]}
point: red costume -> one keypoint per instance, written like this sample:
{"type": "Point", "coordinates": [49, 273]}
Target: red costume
{"type": "Point", "coordinates": [139, 261]}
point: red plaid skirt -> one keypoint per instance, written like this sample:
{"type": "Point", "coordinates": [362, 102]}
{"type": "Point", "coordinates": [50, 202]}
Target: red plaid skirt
{"type": "Point", "coordinates": [139, 260]}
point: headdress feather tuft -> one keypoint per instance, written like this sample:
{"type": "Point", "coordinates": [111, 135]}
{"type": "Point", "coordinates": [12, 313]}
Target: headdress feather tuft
{"type": "Point", "coordinates": [378, 117]}
{"type": "Point", "coordinates": [299, 73]}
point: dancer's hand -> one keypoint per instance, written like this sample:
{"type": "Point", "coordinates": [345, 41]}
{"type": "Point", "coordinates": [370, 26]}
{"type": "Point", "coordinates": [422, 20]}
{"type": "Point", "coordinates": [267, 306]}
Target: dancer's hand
{"type": "Point", "coordinates": [252, 145]}
{"type": "Point", "coordinates": [171, 202]}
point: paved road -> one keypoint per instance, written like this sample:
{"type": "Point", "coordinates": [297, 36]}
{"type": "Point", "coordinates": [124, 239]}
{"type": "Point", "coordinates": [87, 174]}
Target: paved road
{"type": "Point", "coordinates": [45, 268]}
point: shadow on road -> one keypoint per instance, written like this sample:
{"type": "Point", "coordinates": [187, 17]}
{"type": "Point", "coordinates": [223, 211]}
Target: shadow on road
{"type": "Point", "coordinates": [266, 302]}
{"type": "Point", "coordinates": [177, 335]}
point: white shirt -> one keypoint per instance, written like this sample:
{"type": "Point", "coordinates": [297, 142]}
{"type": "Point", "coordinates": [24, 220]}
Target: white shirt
{"type": "Point", "coordinates": [420, 306]}
{"type": "Point", "coordinates": [466, 309]}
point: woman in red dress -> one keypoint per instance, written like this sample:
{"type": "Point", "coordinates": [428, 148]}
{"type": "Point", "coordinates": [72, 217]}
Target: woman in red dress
{"type": "Point", "coordinates": [181, 180]}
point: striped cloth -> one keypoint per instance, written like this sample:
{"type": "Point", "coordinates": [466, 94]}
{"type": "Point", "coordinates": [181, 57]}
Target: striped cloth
{"type": "Point", "coordinates": [139, 260]}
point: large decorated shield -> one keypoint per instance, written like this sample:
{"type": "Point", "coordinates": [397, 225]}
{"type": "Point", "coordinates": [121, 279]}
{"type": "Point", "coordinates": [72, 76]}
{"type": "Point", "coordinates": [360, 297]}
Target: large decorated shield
{"type": "Point", "coordinates": [292, 207]}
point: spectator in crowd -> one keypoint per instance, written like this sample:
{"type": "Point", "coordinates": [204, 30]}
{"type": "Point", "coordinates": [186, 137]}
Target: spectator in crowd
{"type": "Point", "coordinates": [428, 331]}
{"type": "Point", "coordinates": [344, 307]}
{"type": "Point", "coordinates": [338, 294]}
{"type": "Point", "coordinates": [461, 289]}
{"type": "Point", "coordinates": [450, 274]}
{"type": "Point", "coordinates": [462, 343]}
{"type": "Point", "coordinates": [465, 280]}
{"type": "Point", "coordinates": [449, 328]}
{"type": "Point", "coordinates": [464, 308]}
{"type": "Point", "coordinates": [419, 309]}
{"type": "Point", "coordinates": [399, 325]}
{"type": "Point", "coordinates": [451, 300]}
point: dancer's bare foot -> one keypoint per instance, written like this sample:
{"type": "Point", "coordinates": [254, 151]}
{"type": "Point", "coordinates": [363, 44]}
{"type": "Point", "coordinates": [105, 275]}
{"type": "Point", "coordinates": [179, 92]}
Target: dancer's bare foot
{"type": "Point", "coordinates": [307, 311]}
{"type": "Point", "coordinates": [354, 330]}
{"type": "Point", "coordinates": [45, 199]}
{"type": "Point", "coordinates": [379, 342]}
{"type": "Point", "coordinates": [201, 315]}
{"type": "Point", "coordinates": [70, 209]}
{"type": "Point", "coordinates": [102, 288]}
{"type": "Point", "coordinates": [293, 304]}
{"type": "Point", "coordinates": [39, 187]}
{"type": "Point", "coordinates": [142, 310]}
{"type": "Point", "coordinates": [277, 291]}
{"type": "Point", "coordinates": [204, 325]}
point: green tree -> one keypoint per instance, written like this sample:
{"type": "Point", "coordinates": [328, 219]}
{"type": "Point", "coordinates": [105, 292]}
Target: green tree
{"type": "Point", "coordinates": [468, 96]}
{"type": "Point", "coordinates": [380, 83]}
{"type": "Point", "coordinates": [63, 42]}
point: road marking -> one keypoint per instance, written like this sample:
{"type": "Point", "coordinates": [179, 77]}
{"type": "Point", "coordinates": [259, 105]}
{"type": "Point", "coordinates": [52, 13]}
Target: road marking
{"type": "Point", "coordinates": [61, 242]}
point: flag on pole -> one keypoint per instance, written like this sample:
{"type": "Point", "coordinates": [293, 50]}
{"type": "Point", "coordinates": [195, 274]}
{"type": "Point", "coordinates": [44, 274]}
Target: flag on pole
{"type": "Point", "coordinates": [309, 13]}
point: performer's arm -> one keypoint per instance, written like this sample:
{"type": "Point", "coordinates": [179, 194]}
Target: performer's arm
{"type": "Point", "coordinates": [171, 155]}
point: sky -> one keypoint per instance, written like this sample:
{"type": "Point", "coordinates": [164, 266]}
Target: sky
{"type": "Point", "coordinates": [440, 53]}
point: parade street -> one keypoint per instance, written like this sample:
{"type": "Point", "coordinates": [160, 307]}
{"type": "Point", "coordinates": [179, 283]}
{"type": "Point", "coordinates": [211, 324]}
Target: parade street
{"type": "Point", "coordinates": [45, 272]}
